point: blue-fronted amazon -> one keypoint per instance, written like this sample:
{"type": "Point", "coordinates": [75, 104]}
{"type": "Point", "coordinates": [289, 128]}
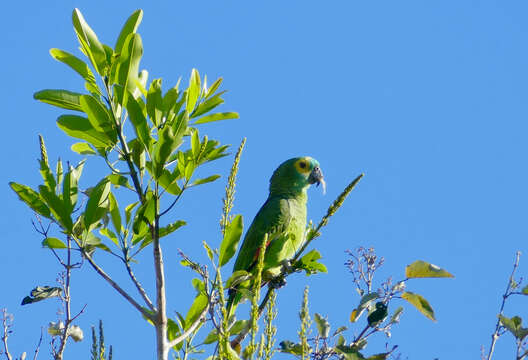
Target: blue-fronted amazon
{"type": "Point", "coordinates": [282, 217]}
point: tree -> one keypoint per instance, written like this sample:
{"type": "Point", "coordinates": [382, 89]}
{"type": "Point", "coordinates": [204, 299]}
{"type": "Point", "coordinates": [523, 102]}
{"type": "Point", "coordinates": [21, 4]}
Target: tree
{"type": "Point", "coordinates": [148, 156]}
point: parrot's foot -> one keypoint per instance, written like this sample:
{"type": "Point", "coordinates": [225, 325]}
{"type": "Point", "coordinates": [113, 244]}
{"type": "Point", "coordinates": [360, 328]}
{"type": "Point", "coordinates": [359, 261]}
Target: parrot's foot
{"type": "Point", "coordinates": [278, 282]}
{"type": "Point", "coordinates": [286, 266]}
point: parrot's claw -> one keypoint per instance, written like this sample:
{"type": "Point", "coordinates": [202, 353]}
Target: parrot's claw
{"type": "Point", "coordinates": [286, 266]}
{"type": "Point", "coordinates": [278, 282]}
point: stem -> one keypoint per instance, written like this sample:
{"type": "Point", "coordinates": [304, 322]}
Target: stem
{"type": "Point", "coordinates": [124, 146]}
{"type": "Point", "coordinates": [67, 320]}
{"type": "Point", "coordinates": [161, 301]}
{"type": "Point", "coordinates": [498, 326]}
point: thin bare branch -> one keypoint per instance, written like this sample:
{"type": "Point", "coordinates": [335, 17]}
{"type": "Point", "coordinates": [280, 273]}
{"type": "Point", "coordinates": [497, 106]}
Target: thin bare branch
{"type": "Point", "coordinates": [6, 323]}
{"type": "Point", "coordinates": [498, 326]}
{"type": "Point", "coordinates": [140, 289]}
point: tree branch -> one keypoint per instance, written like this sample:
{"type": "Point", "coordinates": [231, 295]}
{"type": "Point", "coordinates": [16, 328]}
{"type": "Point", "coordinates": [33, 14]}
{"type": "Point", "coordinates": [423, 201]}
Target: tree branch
{"type": "Point", "coordinates": [498, 325]}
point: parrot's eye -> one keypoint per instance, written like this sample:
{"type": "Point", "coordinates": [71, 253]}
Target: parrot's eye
{"type": "Point", "coordinates": [302, 164]}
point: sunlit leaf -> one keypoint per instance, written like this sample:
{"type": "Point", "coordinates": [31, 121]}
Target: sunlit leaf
{"type": "Point", "coordinates": [217, 117]}
{"type": "Point", "coordinates": [75, 63]}
{"type": "Point", "coordinates": [53, 243]}
{"type": "Point", "coordinates": [89, 42]}
{"type": "Point", "coordinates": [61, 98]}
{"type": "Point", "coordinates": [323, 326]}
{"type": "Point", "coordinates": [229, 244]}
{"type": "Point", "coordinates": [31, 198]}
{"type": "Point", "coordinates": [422, 269]}
{"type": "Point", "coordinates": [83, 148]}
{"type": "Point", "coordinates": [419, 303]}
{"type": "Point", "coordinates": [128, 28]}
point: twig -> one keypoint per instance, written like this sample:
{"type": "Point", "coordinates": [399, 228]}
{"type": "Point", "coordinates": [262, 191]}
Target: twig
{"type": "Point", "coordinates": [498, 326]}
{"type": "Point", "coordinates": [191, 329]}
{"type": "Point", "coordinates": [38, 346]}
{"type": "Point", "coordinates": [5, 335]}
{"type": "Point", "coordinates": [118, 288]}
{"type": "Point", "coordinates": [140, 289]}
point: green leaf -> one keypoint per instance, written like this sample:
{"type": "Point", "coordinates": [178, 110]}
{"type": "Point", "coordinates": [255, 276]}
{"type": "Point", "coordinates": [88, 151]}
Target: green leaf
{"type": "Point", "coordinates": [395, 318]}
{"type": "Point", "coordinates": [205, 180]}
{"type": "Point", "coordinates": [237, 278]}
{"type": "Point", "coordinates": [166, 230]}
{"type": "Point", "coordinates": [524, 291]}
{"type": "Point", "coordinates": [41, 293]}
{"type": "Point", "coordinates": [214, 86]}
{"type": "Point", "coordinates": [144, 216]}
{"type": "Point", "coordinates": [89, 42]}
{"type": "Point", "coordinates": [31, 198]}
{"type": "Point", "coordinates": [57, 207]}
{"type": "Point", "coordinates": [323, 326]}
{"type": "Point", "coordinates": [75, 63]}
{"type": "Point", "coordinates": [364, 303]}
{"type": "Point", "coordinates": [115, 215]}
{"type": "Point", "coordinates": [140, 122]}
{"type": "Point", "coordinates": [167, 143]}
{"type": "Point", "coordinates": [129, 27]}
{"type": "Point", "coordinates": [97, 204]}
{"type": "Point", "coordinates": [61, 98]}
{"type": "Point", "coordinates": [208, 250]}
{"type": "Point", "coordinates": [109, 234]}
{"type": "Point", "coordinates": [119, 180]}
{"type": "Point", "coordinates": [53, 243]}
{"type": "Point", "coordinates": [207, 105]}
{"type": "Point", "coordinates": [419, 303]}
{"type": "Point", "coordinates": [80, 128]}
{"type": "Point", "coordinates": [193, 92]}
{"type": "Point", "coordinates": [514, 326]}
{"type": "Point", "coordinates": [291, 348]}
{"type": "Point", "coordinates": [173, 331]}
{"type": "Point", "coordinates": [83, 148]}
{"type": "Point", "coordinates": [155, 102]}
{"type": "Point", "coordinates": [349, 352]}
{"type": "Point", "coordinates": [128, 211]}
{"type": "Point", "coordinates": [229, 244]}
{"type": "Point", "coordinates": [310, 264]}
{"type": "Point", "coordinates": [70, 188]}
{"type": "Point", "coordinates": [422, 269]}
{"type": "Point", "coordinates": [98, 116]}
{"type": "Point", "coordinates": [196, 309]}
{"type": "Point", "coordinates": [217, 117]}
{"type": "Point", "coordinates": [168, 180]}
{"type": "Point", "coordinates": [128, 67]}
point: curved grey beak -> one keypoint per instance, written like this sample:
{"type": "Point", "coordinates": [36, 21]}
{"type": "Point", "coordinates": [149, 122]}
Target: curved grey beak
{"type": "Point", "coordinates": [316, 177]}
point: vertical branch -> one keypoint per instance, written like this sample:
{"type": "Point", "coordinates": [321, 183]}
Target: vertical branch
{"type": "Point", "coordinates": [66, 300]}
{"type": "Point", "coordinates": [161, 301]}
{"type": "Point", "coordinates": [498, 326]}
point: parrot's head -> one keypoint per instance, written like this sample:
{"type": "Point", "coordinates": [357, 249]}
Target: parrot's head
{"type": "Point", "coordinates": [296, 175]}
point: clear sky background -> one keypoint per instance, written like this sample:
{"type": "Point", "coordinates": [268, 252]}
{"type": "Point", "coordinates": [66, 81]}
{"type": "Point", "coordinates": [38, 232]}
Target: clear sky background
{"type": "Point", "coordinates": [427, 98]}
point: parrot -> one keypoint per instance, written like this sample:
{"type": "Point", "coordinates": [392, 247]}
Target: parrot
{"type": "Point", "coordinates": [282, 217]}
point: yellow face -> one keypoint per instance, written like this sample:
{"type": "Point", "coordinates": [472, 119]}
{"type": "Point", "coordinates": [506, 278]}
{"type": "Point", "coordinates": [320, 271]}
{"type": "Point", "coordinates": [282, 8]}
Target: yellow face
{"type": "Point", "coordinates": [304, 165]}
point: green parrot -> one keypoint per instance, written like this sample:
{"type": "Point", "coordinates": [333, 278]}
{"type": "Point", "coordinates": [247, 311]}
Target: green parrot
{"type": "Point", "coordinates": [282, 217]}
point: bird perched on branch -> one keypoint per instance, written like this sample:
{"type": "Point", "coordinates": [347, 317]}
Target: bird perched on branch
{"type": "Point", "coordinates": [282, 217]}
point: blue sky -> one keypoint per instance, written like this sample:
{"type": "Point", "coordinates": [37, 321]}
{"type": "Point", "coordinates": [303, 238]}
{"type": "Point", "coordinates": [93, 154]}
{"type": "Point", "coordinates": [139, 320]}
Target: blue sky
{"type": "Point", "coordinates": [428, 99]}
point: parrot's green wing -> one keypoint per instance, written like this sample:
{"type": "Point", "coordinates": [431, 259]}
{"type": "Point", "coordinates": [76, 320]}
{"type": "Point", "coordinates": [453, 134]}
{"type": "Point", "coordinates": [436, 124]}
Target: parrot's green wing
{"type": "Point", "coordinates": [273, 218]}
